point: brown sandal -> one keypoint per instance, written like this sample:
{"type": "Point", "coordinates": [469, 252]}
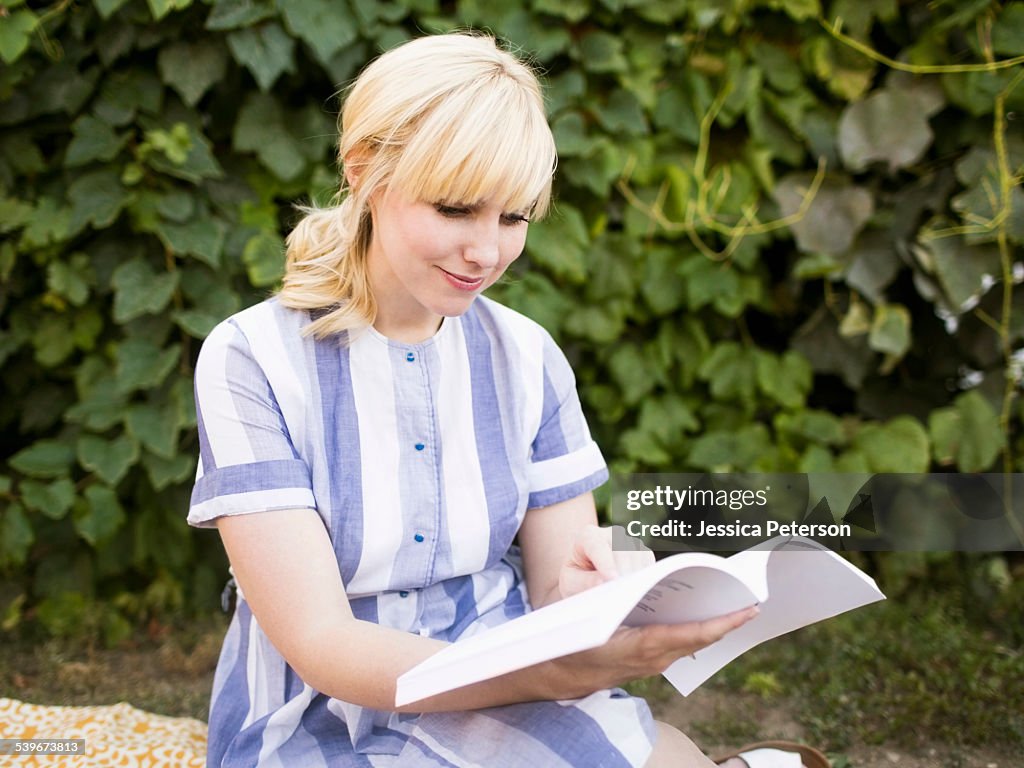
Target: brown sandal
{"type": "Point", "coordinates": [809, 756]}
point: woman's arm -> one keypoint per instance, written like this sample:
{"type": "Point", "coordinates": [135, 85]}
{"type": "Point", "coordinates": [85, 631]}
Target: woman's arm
{"type": "Point", "coordinates": [288, 573]}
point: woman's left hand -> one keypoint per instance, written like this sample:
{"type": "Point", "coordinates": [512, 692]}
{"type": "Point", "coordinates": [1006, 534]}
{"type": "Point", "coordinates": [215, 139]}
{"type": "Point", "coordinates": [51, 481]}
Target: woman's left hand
{"type": "Point", "coordinates": [593, 560]}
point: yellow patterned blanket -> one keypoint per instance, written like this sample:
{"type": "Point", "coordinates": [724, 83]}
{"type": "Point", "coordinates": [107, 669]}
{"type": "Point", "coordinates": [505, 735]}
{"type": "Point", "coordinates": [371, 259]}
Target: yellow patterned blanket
{"type": "Point", "coordinates": [115, 736]}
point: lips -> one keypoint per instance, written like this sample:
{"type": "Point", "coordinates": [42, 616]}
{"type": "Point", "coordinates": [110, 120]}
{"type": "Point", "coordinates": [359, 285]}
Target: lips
{"type": "Point", "coordinates": [463, 282]}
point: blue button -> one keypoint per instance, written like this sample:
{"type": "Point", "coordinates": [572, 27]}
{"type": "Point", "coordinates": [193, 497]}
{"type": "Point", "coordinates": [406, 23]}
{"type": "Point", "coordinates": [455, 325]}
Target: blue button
{"type": "Point", "coordinates": [411, 357]}
{"type": "Point", "coordinates": [419, 446]}
{"type": "Point", "coordinates": [418, 537]}
{"type": "Point", "coordinates": [403, 593]}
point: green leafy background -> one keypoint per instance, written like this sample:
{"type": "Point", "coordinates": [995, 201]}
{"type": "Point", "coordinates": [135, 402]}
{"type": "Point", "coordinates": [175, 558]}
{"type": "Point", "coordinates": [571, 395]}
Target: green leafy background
{"type": "Point", "coordinates": [779, 244]}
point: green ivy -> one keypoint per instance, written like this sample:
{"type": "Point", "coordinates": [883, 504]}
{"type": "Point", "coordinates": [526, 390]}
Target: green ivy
{"type": "Point", "coordinates": [773, 248]}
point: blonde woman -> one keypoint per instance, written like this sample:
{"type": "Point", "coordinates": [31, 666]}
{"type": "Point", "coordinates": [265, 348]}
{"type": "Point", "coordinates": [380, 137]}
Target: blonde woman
{"type": "Point", "coordinates": [375, 437]}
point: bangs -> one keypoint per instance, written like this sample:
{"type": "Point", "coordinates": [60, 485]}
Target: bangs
{"type": "Point", "coordinates": [489, 142]}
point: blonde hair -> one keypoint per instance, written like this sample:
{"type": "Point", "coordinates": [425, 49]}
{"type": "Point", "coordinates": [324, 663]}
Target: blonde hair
{"type": "Point", "coordinates": [447, 118]}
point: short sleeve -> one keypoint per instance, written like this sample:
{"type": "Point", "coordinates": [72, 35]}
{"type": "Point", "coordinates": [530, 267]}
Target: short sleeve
{"type": "Point", "coordinates": [247, 462]}
{"type": "Point", "coordinates": [565, 461]}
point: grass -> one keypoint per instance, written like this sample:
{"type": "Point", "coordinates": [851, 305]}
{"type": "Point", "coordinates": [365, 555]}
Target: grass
{"type": "Point", "coordinates": [162, 669]}
{"type": "Point", "coordinates": [911, 673]}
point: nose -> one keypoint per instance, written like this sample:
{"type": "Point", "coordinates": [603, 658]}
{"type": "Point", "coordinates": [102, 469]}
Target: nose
{"type": "Point", "coordinates": [483, 247]}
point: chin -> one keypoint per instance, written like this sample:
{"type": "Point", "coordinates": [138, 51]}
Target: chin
{"type": "Point", "coordinates": [454, 307]}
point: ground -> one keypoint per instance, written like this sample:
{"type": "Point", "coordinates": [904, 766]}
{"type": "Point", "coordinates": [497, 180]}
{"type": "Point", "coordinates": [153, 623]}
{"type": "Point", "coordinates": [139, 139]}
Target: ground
{"type": "Point", "coordinates": [171, 674]}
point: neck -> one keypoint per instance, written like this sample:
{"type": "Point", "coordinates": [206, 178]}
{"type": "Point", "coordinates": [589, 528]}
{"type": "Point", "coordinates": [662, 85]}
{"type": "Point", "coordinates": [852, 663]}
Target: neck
{"type": "Point", "coordinates": [407, 330]}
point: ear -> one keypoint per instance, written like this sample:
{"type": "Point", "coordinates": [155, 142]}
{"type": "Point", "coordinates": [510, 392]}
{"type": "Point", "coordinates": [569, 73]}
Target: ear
{"type": "Point", "coordinates": [355, 163]}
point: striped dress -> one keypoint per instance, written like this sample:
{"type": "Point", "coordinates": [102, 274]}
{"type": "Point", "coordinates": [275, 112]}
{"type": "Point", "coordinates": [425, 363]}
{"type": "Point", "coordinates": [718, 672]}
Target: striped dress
{"type": "Point", "coordinates": [421, 460]}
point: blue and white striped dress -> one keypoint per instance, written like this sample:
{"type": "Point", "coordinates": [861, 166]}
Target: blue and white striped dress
{"type": "Point", "coordinates": [422, 460]}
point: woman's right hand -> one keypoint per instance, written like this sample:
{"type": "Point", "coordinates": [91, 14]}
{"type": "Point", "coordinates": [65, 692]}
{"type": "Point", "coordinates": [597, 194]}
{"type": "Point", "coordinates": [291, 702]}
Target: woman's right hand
{"type": "Point", "coordinates": [636, 652]}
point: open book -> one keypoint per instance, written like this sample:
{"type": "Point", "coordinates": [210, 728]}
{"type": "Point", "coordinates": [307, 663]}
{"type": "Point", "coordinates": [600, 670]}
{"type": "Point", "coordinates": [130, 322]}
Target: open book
{"type": "Point", "coordinates": [795, 581]}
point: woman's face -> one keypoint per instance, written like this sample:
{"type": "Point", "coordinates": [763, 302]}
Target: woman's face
{"type": "Point", "coordinates": [430, 259]}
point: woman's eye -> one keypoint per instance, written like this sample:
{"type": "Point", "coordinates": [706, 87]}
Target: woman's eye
{"type": "Point", "coordinates": [450, 210]}
{"type": "Point", "coordinates": [514, 218]}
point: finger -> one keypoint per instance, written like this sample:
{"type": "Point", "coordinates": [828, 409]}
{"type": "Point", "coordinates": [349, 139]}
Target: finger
{"type": "Point", "coordinates": [632, 561]}
{"type": "Point", "coordinates": [713, 630]}
{"type": "Point", "coordinates": [597, 547]}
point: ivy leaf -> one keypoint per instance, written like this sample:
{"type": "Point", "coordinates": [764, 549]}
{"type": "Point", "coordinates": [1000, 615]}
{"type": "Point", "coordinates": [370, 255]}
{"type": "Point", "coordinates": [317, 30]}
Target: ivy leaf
{"type": "Point", "coordinates": [668, 418]}
{"type": "Point", "coordinates": [98, 198]}
{"type": "Point", "coordinates": [1008, 31]}
{"type": "Point", "coordinates": [155, 427]}
{"type": "Point", "coordinates": [266, 51]}
{"type": "Point", "coordinates": [199, 162]}
{"type": "Point", "coordinates": [52, 340]}
{"type": "Point", "coordinates": [857, 15]}
{"type": "Point", "coordinates": [107, 8]}
{"type": "Point", "coordinates": [560, 244]}
{"type": "Point", "coordinates": [101, 516]}
{"type": "Point", "coordinates": [721, 451]}
{"type": "Point", "coordinates": [634, 372]}
{"type": "Point", "coordinates": [602, 324]}
{"type": "Point", "coordinates": [200, 237]}
{"type": "Point", "coordinates": [15, 33]}
{"type": "Point", "coordinates": [643, 446]}
{"type": "Point", "coordinates": [820, 342]}
{"type": "Point", "coordinates": [570, 134]}
{"type": "Point", "coordinates": [14, 213]}
{"type": "Point", "coordinates": [124, 94]}
{"type": "Point", "coordinates": [192, 68]}
{"type": "Point", "coordinates": [44, 458]}
{"type": "Point", "coordinates": [623, 113]}
{"type": "Point", "coordinates": [799, 10]}
{"type": "Point", "coordinates": [93, 140]}
{"type": "Point", "coordinates": [570, 10]}
{"type": "Point", "coordinates": [109, 459]}
{"type": "Point", "coordinates": [264, 258]}
{"type": "Point", "coordinates": [944, 433]}
{"type": "Point", "coordinates": [681, 104]}
{"type": "Point", "coordinates": [730, 370]}
{"type": "Point", "coordinates": [16, 535]}
{"type": "Point", "coordinates": [900, 445]}
{"type": "Point", "coordinates": [234, 14]}
{"type": "Point", "coordinates": [160, 8]}
{"type": "Point", "coordinates": [163, 472]}
{"type": "Point", "coordinates": [100, 408]}
{"type": "Point", "coordinates": [535, 296]}
{"type": "Point", "coordinates": [786, 379]}
{"type": "Point", "coordinates": [70, 279]}
{"type": "Point", "coordinates": [709, 282]}
{"type": "Point", "coordinates": [835, 215]}
{"type": "Point", "coordinates": [544, 41]}
{"type": "Point", "coordinates": [143, 365]}
{"type": "Point", "coordinates": [138, 290]}
{"type": "Point", "coordinates": [602, 52]}
{"type": "Point", "coordinates": [207, 295]}
{"type": "Point", "coordinates": [195, 322]}
{"type": "Point", "coordinates": [51, 499]}
{"type": "Point", "coordinates": [890, 330]}
{"type": "Point", "coordinates": [872, 264]}
{"type": "Point", "coordinates": [662, 285]}
{"type": "Point", "coordinates": [261, 129]}
{"type": "Point", "coordinates": [325, 25]}
{"type": "Point", "coordinates": [889, 126]}
{"type": "Point", "coordinates": [778, 65]}
{"type": "Point", "coordinates": [980, 435]}
{"type": "Point", "coordinates": [962, 270]}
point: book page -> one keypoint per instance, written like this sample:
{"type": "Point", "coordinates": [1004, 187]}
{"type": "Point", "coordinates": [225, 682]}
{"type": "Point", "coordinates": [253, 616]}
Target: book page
{"type": "Point", "coordinates": [806, 583]}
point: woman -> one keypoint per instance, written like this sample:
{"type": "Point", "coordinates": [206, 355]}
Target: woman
{"type": "Point", "coordinates": [375, 437]}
